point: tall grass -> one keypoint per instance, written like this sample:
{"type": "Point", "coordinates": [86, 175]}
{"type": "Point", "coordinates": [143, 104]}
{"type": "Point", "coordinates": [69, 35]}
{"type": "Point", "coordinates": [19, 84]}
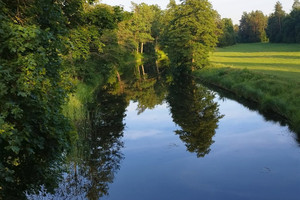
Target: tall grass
{"type": "Point", "coordinates": [75, 108]}
{"type": "Point", "coordinates": [268, 74]}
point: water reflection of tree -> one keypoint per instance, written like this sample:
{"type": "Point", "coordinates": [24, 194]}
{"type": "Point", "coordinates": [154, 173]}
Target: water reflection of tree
{"type": "Point", "coordinates": [107, 126]}
{"type": "Point", "coordinates": [148, 93]}
{"type": "Point", "coordinates": [97, 156]}
{"type": "Point", "coordinates": [29, 173]}
{"type": "Point", "coordinates": [194, 110]}
{"type": "Point", "coordinates": [101, 141]}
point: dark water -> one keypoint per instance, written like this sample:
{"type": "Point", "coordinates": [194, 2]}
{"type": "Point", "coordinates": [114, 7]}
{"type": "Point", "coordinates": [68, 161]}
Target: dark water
{"type": "Point", "coordinates": [192, 145]}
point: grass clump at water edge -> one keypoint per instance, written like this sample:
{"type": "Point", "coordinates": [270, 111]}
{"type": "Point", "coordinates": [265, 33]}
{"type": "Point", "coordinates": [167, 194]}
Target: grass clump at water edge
{"type": "Point", "coordinates": [75, 109]}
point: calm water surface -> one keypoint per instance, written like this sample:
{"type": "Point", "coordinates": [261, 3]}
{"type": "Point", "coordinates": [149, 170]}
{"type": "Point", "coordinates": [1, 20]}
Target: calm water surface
{"type": "Point", "coordinates": [249, 159]}
{"type": "Point", "coordinates": [217, 149]}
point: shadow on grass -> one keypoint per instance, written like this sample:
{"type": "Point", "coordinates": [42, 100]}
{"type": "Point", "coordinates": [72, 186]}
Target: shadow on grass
{"type": "Point", "coordinates": [287, 66]}
{"type": "Point", "coordinates": [261, 47]}
{"type": "Point", "coordinates": [261, 57]}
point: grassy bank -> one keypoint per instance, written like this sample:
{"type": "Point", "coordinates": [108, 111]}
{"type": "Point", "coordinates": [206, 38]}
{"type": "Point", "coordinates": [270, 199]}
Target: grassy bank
{"type": "Point", "coordinates": [268, 74]}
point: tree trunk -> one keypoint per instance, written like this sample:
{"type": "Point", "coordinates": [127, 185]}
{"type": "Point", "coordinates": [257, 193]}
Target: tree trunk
{"type": "Point", "coordinates": [154, 67]}
{"type": "Point", "coordinates": [75, 171]}
{"type": "Point", "coordinates": [139, 72]}
{"type": "Point", "coordinates": [143, 71]}
{"type": "Point", "coordinates": [142, 66]}
{"type": "Point", "coordinates": [137, 46]}
{"type": "Point", "coordinates": [120, 82]}
{"type": "Point", "coordinates": [119, 77]}
{"type": "Point", "coordinates": [279, 24]}
{"type": "Point", "coordinates": [193, 61]}
{"type": "Point", "coordinates": [157, 69]}
{"type": "Point", "coordinates": [142, 47]}
{"type": "Point", "coordinates": [156, 62]}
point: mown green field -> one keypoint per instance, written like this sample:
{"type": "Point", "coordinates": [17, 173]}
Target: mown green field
{"type": "Point", "coordinates": [268, 74]}
{"type": "Point", "coordinates": [282, 60]}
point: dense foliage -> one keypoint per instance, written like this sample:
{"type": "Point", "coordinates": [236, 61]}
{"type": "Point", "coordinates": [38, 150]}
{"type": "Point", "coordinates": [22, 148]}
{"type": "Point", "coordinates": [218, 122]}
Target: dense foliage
{"type": "Point", "coordinates": [291, 25]}
{"type": "Point", "coordinates": [33, 130]}
{"type": "Point", "coordinates": [191, 33]}
{"type": "Point", "coordinates": [279, 27]}
{"type": "Point", "coordinates": [37, 38]}
{"type": "Point", "coordinates": [275, 24]}
{"type": "Point", "coordinates": [252, 27]}
{"type": "Point", "coordinates": [228, 36]}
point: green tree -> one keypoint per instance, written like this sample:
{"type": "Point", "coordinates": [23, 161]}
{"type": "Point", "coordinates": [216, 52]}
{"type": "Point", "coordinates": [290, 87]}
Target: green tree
{"type": "Point", "coordinates": [85, 38]}
{"type": "Point", "coordinates": [191, 33]}
{"type": "Point", "coordinates": [156, 59]}
{"type": "Point", "coordinates": [291, 25]}
{"type": "Point", "coordinates": [275, 24]}
{"type": "Point", "coordinates": [143, 17]}
{"type": "Point", "coordinates": [296, 5]}
{"type": "Point", "coordinates": [252, 27]}
{"type": "Point", "coordinates": [33, 130]}
{"type": "Point", "coordinates": [228, 36]}
{"type": "Point", "coordinates": [125, 34]}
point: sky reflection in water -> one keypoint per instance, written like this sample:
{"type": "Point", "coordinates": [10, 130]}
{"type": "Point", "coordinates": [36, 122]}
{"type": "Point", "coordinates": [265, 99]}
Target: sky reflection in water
{"type": "Point", "coordinates": [249, 159]}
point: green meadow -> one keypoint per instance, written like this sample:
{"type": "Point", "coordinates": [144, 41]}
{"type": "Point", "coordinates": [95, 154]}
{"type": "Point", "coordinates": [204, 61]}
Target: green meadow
{"type": "Point", "coordinates": [268, 74]}
{"type": "Point", "coordinates": [282, 60]}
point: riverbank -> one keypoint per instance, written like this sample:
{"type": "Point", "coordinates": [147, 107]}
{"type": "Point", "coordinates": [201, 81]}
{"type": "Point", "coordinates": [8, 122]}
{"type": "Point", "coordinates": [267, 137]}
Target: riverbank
{"type": "Point", "coordinates": [267, 74]}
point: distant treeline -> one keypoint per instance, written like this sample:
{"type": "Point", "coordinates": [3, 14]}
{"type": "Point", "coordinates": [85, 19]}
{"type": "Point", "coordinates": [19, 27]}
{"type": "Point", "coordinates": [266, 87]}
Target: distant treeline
{"type": "Point", "coordinates": [279, 27]}
{"type": "Point", "coordinates": [284, 27]}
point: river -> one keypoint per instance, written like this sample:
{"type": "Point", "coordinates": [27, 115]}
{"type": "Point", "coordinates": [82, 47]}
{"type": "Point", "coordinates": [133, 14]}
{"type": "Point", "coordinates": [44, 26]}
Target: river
{"type": "Point", "coordinates": [249, 159]}
{"type": "Point", "coordinates": [193, 144]}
